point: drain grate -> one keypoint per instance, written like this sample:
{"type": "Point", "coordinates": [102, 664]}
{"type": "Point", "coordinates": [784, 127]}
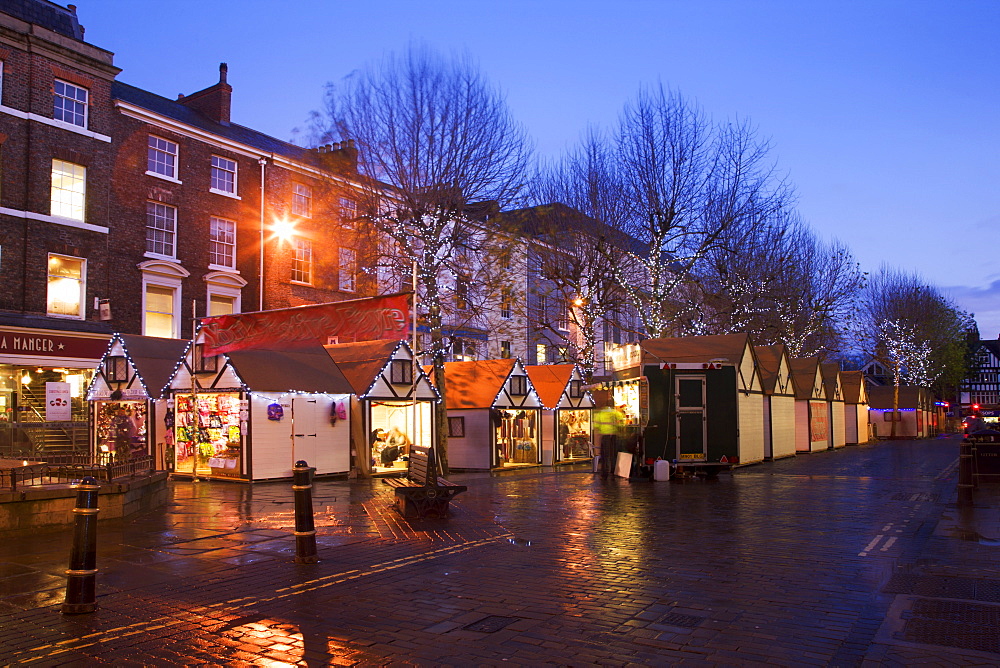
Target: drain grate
{"type": "Point", "coordinates": [922, 497]}
{"type": "Point", "coordinates": [953, 624]}
{"type": "Point", "coordinates": [490, 624]}
{"type": "Point", "coordinates": [953, 611]}
{"type": "Point", "coordinates": [678, 619]}
{"type": "Point", "coordinates": [942, 586]}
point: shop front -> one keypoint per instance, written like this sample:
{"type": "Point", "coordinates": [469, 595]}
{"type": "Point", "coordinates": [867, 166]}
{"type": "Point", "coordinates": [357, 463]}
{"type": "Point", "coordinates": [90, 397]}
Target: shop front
{"type": "Point", "coordinates": [126, 411]}
{"type": "Point", "coordinates": [395, 410]}
{"type": "Point", "coordinates": [566, 425]}
{"type": "Point", "coordinates": [494, 415]}
{"type": "Point", "coordinates": [44, 375]}
{"type": "Point", "coordinates": [251, 414]}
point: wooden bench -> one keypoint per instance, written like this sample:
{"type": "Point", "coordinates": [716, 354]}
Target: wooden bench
{"type": "Point", "coordinates": [423, 493]}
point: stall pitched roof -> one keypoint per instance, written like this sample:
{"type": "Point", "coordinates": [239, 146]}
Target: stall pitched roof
{"type": "Point", "coordinates": [476, 384]}
{"type": "Point", "coordinates": [550, 381]}
{"type": "Point", "coordinates": [301, 370]}
{"type": "Point", "coordinates": [769, 361]}
{"type": "Point", "coordinates": [831, 373]}
{"type": "Point", "coordinates": [362, 361]}
{"type": "Point", "coordinates": [804, 373]}
{"type": "Point", "coordinates": [910, 396]}
{"type": "Point", "coordinates": [695, 349]}
{"type": "Point", "coordinates": [853, 383]}
{"type": "Point", "coordinates": [154, 358]}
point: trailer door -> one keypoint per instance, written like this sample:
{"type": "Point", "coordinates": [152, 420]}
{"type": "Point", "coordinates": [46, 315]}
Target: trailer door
{"type": "Point", "coordinates": [692, 435]}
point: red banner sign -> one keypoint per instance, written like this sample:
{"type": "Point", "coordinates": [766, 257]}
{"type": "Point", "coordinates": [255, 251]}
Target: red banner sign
{"type": "Point", "coordinates": [385, 317]}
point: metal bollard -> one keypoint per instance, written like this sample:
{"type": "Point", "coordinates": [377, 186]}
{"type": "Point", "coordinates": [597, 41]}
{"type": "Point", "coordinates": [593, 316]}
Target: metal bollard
{"type": "Point", "coordinates": [965, 483]}
{"type": "Point", "coordinates": [81, 578]}
{"type": "Point", "coordinates": [305, 529]}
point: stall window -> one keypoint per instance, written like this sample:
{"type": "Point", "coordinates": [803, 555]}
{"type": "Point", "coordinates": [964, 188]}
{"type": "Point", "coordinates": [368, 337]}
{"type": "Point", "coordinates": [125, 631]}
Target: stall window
{"type": "Point", "coordinates": [575, 389]}
{"type": "Point", "coordinates": [518, 386]}
{"type": "Point", "coordinates": [456, 427]}
{"type": "Point", "coordinates": [116, 369]}
{"type": "Point", "coordinates": [401, 372]}
{"type": "Point", "coordinates": [204, 363]}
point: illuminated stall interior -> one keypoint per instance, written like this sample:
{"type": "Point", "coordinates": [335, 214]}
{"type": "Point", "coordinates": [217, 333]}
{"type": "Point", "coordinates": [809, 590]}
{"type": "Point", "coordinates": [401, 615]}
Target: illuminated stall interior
{"type": "Point", "coordinates": [381, 374]}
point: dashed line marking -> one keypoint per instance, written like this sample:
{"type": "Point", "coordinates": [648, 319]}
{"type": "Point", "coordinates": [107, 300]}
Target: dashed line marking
{"type": "Point", "coordinates": [888, 543]}
{"type": "Point", "coordinates": [870, 546]}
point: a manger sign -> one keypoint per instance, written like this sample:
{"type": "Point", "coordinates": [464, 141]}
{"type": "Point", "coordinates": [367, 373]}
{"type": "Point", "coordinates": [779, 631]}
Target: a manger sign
{"type": "Point", "coordinates": [369, 319]}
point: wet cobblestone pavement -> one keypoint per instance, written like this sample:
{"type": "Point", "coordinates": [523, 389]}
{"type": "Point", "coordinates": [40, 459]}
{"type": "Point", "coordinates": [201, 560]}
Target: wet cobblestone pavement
{"type": "Point", "coordinates": [845, 558]}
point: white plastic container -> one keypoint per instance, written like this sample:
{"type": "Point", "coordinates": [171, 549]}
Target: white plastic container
{"type": "Point", "coordinates": [661, 470]}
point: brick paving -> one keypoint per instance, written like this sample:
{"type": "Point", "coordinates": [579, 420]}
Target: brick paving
{"type": "Point", "coordinates": [854, 557]}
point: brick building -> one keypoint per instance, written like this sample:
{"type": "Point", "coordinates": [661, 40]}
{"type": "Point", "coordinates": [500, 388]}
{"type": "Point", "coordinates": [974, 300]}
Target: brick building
{"type": "Point", "coordinates": [124, 211]}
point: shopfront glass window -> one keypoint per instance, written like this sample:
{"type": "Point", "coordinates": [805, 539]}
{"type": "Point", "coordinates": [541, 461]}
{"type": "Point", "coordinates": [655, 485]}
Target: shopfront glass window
{"type": "Point", "coordinates": [207, 436]}
{"type": "Point", "coordinates": [517, 437]}
{"type": "Point", "coordinates": [574, 434]}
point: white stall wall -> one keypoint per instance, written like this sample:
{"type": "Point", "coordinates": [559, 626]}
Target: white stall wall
{"type": "Point", "coordinates": [751, 439]}
{"type": "Point", "coordinates": [275, 447]}
{"type": "Point", "coordinates": [838, 430]}
{"type": "Point", "coordinates": [782, 426]}
{"type": "Point", "coordinates": [473, 451]}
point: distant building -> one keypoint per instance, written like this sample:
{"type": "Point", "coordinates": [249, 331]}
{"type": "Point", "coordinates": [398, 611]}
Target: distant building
{"type": "Point", "coordinates": [982, 385]}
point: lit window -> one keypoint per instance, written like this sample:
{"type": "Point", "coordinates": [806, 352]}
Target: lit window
{"type": "Point", "coordinates": [223, 243]}
{"type": "Point", "coordinates": [70, 104]}
{"type": "Point", "coordinates": [159, 316]}
{"type": "Point", "coordinates": [541, 353]}
{"type": "Point", "coordinates": [348, 269]}
{"type": "Point", "coordinates": [302, 261]}
{"type": "Point", "coordinates": [65, 286]}
{"type": "Point", "coordinates": [301, 200]}
{"type": "Point", "coordinates": [161, 157]}
{"type": "Point", "coordinates": [221, 305]}
{"type": "Point", "coordinates": [506, 300]}
{"type": "Point", "coordinates": [462, 293]}
{"type": "Point", "coordinates": [505, 350]}
{"type": "Point", "coordinates": [223, 175]}
{"type": "Point", "coordinates": [69, 190]}
{"type": "Point", "coordinates": [161, 229]}
{"type": "Point", "coordinates": [116, 368]}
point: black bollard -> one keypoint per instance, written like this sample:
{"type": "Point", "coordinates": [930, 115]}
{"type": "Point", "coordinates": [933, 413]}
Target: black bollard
{"type": "Point", "coordinates": [305, 529]}
{"type": "Point", "coordinates": [81, 578]}
{"type": "Point", "coordinates": [965, 483]}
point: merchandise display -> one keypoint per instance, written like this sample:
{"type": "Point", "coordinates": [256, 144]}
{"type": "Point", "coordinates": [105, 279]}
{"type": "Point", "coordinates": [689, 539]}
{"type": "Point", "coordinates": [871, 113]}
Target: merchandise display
{"type": "Point", "coordinates": [208, 436]}
{"type": "Point", "coordinates": [121, 429]}
{"type": "Point", "coordinates": [517, 436]}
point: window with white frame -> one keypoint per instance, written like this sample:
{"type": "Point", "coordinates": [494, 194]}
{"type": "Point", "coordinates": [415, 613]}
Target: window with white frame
{"type": "Point", "coordinates": [348, 269]}
{"type": "Point", "coordinates": [221, 304]}
{"type": "Point", "coordinates": [1, 82]}
{"type": "Point", "coordinates": [66, 286]}
{"type": "Point", "coordinates": [301, 200]}
{"type": "Point", "coordinates": [505, 350]}
{"type": "Point", "coordinates": [302, 260]}
{"type": "Point", "coordinates": [159, 318]}
{"type": "Point", "coordinates": [161, 229]}
{"type": "Point", "coordinates": [161, 157]}
{"type": "Point", "coordinates": [222, 250]}
{"type": "Point", "coordinates": [506, 302]}
{"type": "Point", "coordinates": [223, 175]}
{"type": "Point", "coordinates": [69, 190]}
{"type": "Point", "coordinates": [70, 103]}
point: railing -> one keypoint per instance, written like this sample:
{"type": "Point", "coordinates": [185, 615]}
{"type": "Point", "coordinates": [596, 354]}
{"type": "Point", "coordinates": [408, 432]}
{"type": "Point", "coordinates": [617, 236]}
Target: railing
{"type": "Point", "coordinates": [67, 468]}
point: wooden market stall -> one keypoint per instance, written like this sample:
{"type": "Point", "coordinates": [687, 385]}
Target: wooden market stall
{"type": "Point", "coordinates": [856, 429]}
{"type": "Point", "coordinates": [779, 401]}
{"type": "Point", "coordinates": [251, 414]}
{"type": "Point", "coordinates": [566, 431]}
{"type": "Point", "coordinates": [811, 411]}
{"type": "Point", "coordinates": [705, 400]}
{"type": "Point", "coordinates": [494, 415]}
{"type": "Point", "coordinates": [387, 420]}
{"type": "Point", "coordinates": [127, 412]}
{"type": "Point", "coordinates": [915, 413]}
{"type": "Point", "coordinates": [837, 436]}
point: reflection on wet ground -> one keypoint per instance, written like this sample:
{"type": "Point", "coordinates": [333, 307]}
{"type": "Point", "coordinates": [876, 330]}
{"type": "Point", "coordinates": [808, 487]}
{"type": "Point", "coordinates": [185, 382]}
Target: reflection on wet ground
{"type": "Point", "coordinates": [784, 563]}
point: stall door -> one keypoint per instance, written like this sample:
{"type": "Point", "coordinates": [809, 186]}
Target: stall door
{"type": "Point", "coordinates": [305, 439]}
{"type": "Point", "coordinates": [692, 435]}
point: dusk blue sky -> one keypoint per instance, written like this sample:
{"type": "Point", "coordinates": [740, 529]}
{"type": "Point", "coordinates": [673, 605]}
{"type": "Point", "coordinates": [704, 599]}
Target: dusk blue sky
{"type": "Point", "coordinates": [884, 115]}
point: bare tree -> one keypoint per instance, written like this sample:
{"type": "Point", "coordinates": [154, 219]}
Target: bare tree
{"type": "Point", "coordinates": [913, 330]}
{"type": "Point", "coordinates": [574, 245]}
{"type": "Point", "coordinates": [433, 138]}
{"type": "Point", "coordinates": [686, 182]}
